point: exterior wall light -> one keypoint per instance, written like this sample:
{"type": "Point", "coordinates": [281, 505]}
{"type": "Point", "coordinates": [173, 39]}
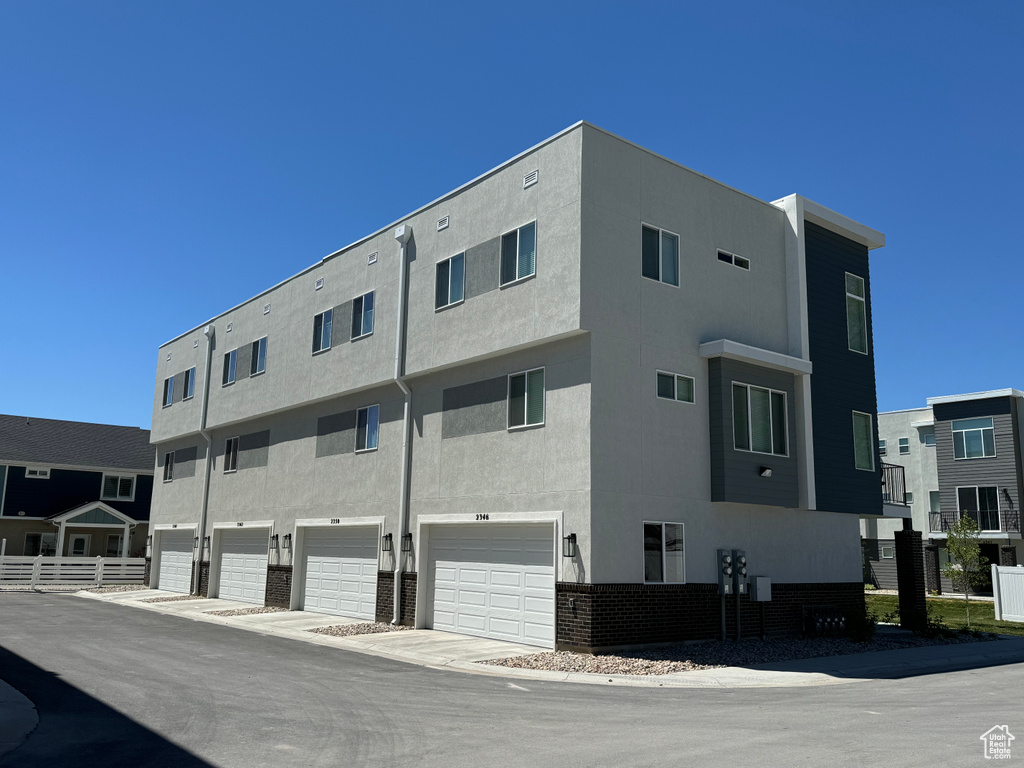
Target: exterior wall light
{"type": "Point", "coordinates": [766, 471]}
{"type": "Point", "coordinates": [195, 543]}
{"type": "Point", "coordinates": [273, 541]}
{"type": "Point", "coordinates": [407, 542]}
{"type": "Point", "coordinates": [149, 540]}
{"type": "Point", "coordinates": [385, 542]}
{"type": "Point", "coordinates": [286, 542]}
{"type": "Point", "coordinates": [206, 542]}
{"type": "Point", "coordinates": [569, 545]}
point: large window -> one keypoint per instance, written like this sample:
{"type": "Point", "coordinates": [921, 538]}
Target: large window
{"type": "Point", "coordinates": [451, 281]}
{"type": "Point", "coordinates": [118, 487]}
{"type": "Point", "coordinates": [366, 428]}
{"type": "Point", "coordinates": [934, 503]}
{"type": "Point", "coordinates": [259, 357]}
{"type": "Point", "coordinates": [904, 446]}
{"type": "Point", "coordinates": [659, 255]}
{"type": "Point", "coordinates": [189, 389]}
{"type": "Point", "coordinates": [526, 398]}
{"type": "Point", "coordinates": [228, 377]}
{"type": "Point", "coordinates": [863, 457]}
{"type": "Point", "coordinates": [759, 419]}
{"type": "Point", "coordinates": [44, 544]}
{"type": "Point", "coordinates": [973, 439]}
{"type": "Point", "coordinates": [168, 391]}
{"type": "Point", "coordinates": [856, 314]}
{"type": "Point", "coordinates": [231, 454]}
{"type": "Point", "coordinates": [673, 386]}
{"type": "Point", "coordinates": [663, 553]}
{"type": "Point", "coordinates": [168, 466]}
{"type": "Point", "coordinates": [114, 541]}
{"type": "Point", "coordinates": [322, 331]}
{"type": "Point", "coordinates": [362, 315]}
{"type": "Point", "coordinates": [519, 253]}
{"type": "Point", "coordinates": [981, 503]}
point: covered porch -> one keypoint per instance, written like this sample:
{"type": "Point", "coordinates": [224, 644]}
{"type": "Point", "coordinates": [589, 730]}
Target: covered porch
{"type": "Point", "coordinates": [90, 531]}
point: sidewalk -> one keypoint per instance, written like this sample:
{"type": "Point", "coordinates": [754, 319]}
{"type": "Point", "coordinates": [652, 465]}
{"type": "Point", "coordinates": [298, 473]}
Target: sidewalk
{"type": "Point", "coordinates": [449, 651]}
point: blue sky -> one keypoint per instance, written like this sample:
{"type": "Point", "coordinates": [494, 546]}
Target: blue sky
{"type": "Point", "coordinates": [161, 162]}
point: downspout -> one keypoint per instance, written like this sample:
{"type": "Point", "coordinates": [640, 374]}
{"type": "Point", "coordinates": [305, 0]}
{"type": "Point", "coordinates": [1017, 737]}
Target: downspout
{"type": "Point", "coordinates": [402, 235]}
{"type": "Point", "coordinates": [208, 332]}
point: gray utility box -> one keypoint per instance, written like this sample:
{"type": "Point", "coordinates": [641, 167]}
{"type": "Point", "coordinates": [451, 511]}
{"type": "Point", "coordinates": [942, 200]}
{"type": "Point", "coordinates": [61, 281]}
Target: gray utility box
{"type": "Point", "coordinates": [761, 589]}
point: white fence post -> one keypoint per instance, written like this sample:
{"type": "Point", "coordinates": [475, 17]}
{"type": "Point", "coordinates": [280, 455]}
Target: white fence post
{"type": "Point", "coordinates": [99, 570]}
{"type": "Point", "coordinates": [995, 592]}
{"type": "Point", "coordinates": [36, 565]}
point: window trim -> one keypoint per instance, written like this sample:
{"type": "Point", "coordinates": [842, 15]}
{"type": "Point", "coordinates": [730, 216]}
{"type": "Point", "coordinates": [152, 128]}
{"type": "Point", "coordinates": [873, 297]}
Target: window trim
{"type": "Point", "coordinates": [254, 357]}
{"type": "Point", "coordinates": [362, 317]}
{"type": "Point", "coordinates": [903, 442]}
{"type": "Point", "coordinates": [526, 404]}
{"type": "Point", "coordinates": [965, 457]}
{"type": "Point", "coordinates": [367, 409]}
{"type": "Point", "coordinates": [883, 548]}
{"type": "Point", "coordinates": [169, 466]}
{"type": "Point", "coordinates": [977, 503]}
{"type": "Point", "coordinates": [660, 232]}
{"type": "Point", "coordinates": [42, 473]}
{"type": "Point", "coordinates": [908, 497]}
{"type": "Point", "coordinates": [750, 435]}
{"type": "Point", "coordinates": [929, 439]}
{"type": "Point", "coordinates": [853, 434]}
{"type": "Point", "coordinates": [232, 366]}
{"type": "Point", "coordinates": [881, 448]}
{"type": "Point", "coordinates": [675, 386]}
{"type": "Point", "coordinates": [536, 250]}
{"type": "Point", "coordinates": [118, 497]}
{"type": "Point", "coordinates": [643, 551]}
{"type": "Point", "coordinates": [120, 544]}
{"type": "Point", "coordinates": [733, 258]}
{"type": "Point", "coordinates": [330, 335]}
{"type": "Point", "coordinates": [451, 304]}
{"type": "Point", "coordinates": [863, 300]}
{"type": "Point", "coordinates": [231, 455]}
{"type": "Point", "coordinates": [189, 385]}
{"type": "Point", "coordinates": [168, 392]}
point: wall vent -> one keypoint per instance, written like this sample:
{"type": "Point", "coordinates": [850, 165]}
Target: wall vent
{"type": "Point", "coordinates": [442, 224]}
{"type": "Point", "coordinates": [372, 258]}
{"type": "Point", "coordinates": [266, 309]}
{"type": "Point", "coordinates": [318, 284]}
{"type": "Point", "coordinates": [530, 179]}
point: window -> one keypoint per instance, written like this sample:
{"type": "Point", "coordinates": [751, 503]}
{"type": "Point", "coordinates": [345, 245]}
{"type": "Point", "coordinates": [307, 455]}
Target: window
{"type": "Point", "coordinates": [663, 553]}
{"type": "Point", "coordinates": [672, 386]}
{"type": "Point", "coordinates": [904, 446]}
{"type": "Point", "coordinates": [908, 497]}
{"type": "Point", "coordinates": [259, 357]}
{"type": "Point", "coordinates": [929, 439]}
{"type": "Point", "coordinates": [37, 473]}
{"type": "Point", "coordinates": [519, 254]}
{"type": "Point", "coordinates": [322, 331]}
{"type": "Point", "coordinates": [732, 258]}
{"type": "Point", "coordinates": [168, 391]}
{"type": "Point", "coordinates": [114, 541]}
{"type": "Point", "coordinates": [362, 315]}
{"type": "Point", "coordinates": [229, 367]}
{"type": "Point", "coordinates": [118, 487]}
{"type": "Point", "coordinates": [934, 505]}
{"type": "Point", "coordinates": [981, 503]}
{"type": "Point", "coordinates": [973, 439]}
{"type": "Point", "coordinates": [168, 467]}
{"type": "Point", "coordinates": [881, 447]}
{"type": "Point", "coordinates": [659, 255]}
{"type": "Point", "coordinates": [189, 384]}
{"type": "Point", "coordinates": [366, 428]}
{"type": "Point", "coordinates": [856, 314]}
{"type": "Point", "coordinates": [231, 454]}
{"type": "Point", "coordinates": [759, 419]}
{"type": "Point", "coordinates": [451, 281]}
{"type": "Point", "coordinates": [888, 553]}
{"type": "Point", "coordinates": [44, 544]}
{"type": "Point", "coordinates": [862, 458]}
{"type": "Point", "coordinates": [526, 398]}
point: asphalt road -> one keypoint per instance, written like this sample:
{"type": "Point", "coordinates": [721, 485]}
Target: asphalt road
{"type": "Point", "coordinates": [117, 686]}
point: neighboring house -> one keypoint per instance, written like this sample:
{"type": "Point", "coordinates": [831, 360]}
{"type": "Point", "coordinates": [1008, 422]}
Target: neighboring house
{"type": "Point", "coordinates": [74, 489]}
{"type": "Point", "coordinates": [960, 455]}
{"type": "Point", "coordinates": [534, 410]}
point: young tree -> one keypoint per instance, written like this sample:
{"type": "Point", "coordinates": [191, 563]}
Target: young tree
{"type": "Point", "coordinates": [966, 565]}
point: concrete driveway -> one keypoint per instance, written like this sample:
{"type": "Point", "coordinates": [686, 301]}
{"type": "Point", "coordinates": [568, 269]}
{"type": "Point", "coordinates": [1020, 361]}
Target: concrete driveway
{"type": "Point", "coordinates": [115, 686]}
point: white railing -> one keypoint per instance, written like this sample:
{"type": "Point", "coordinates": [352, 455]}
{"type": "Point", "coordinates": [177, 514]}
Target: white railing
{"type": "Point", "coordinates": [72, 570]}
{"type": "Point", "coordinates": [1008, 591]}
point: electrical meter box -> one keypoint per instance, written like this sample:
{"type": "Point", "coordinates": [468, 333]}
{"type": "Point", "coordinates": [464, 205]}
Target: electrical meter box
{"type": "Point", "coordinates": [761, 589]}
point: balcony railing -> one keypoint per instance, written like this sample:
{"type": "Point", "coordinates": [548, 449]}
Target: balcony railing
{"type": "Point", "coordinates": [894, 488]}
{"type": "Point", "coordinates": [1002, 521]}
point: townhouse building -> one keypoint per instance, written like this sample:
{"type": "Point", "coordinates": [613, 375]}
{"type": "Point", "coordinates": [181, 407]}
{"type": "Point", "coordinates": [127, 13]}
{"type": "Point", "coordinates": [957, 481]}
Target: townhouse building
{"type": "Point", "coordinates": [535, 409]}
{"type": "Point", "coordinates": [959, 455]}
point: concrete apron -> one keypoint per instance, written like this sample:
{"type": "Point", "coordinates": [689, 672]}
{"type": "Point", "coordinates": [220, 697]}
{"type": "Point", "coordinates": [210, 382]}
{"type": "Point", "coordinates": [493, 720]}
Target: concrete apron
{"type": "Point", "coordinates": [444, 650]}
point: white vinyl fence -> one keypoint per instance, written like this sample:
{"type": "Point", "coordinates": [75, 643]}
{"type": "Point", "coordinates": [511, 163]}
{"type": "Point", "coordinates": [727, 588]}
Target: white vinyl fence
{"type": "Point", "coordinates": [71, 570]}
{"type": "Point", "coordinates": [1008, 590]}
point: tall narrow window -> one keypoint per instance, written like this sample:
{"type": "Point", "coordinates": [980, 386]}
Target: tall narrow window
{"type": "Point", "coordinates": [519, 253]}
{"type": "Point", "coordinates": [366, 428]}
{"type": "Point", "coordinates": [322, 331]}
{"type": "Point", "coordinates": [229, 367]}
{"type": "Point", "coordinates": [759, 419]}
{"type": "Point", "coordinates": [659, 259]}
{"type": "Point", "coordinates": [663, 553]}
{"type": "Point", "coordinates": [904, 445]}
{"type": "Point", "coordinates": [259, 357]}
{"type": "Point", "coordinates": [362, 315]}
{"type": "Point", "coordinates": [526, 398]}
{"type": "Point", "coordinates": [168, 466]}
{"type": "Point", "coordinates": [856, 314]}
{"type": "Point", "coordinates": [451, 281]}
{"type": "Point", "coordinates": [981, 504]}
{"type": "Point", "coordinates": [231, 454]}
{"type": "Point", "coordinates": [974, 438]}
{"type": "Point", "coordinates": [863, 457]}
{"type": "Point", "coordinates": [168, 390]}
{"type": "Point", "coordinates": [189, 384]}
{"type": "Point", "coordinates": [881, 447]}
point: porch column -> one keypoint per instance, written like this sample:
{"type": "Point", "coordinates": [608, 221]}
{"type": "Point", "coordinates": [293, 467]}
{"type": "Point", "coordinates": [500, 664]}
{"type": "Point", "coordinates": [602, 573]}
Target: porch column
{"type": "Point", "coordinates": [910, 577]}
{"type": "Point", "coordinates": [124, 541]}
{"type": "Point", "coordinates": [60, 541]}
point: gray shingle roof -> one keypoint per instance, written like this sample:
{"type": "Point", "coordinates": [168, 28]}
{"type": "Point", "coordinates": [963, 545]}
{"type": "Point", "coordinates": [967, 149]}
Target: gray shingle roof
{"type": "Point", "coordinates": [74, 443]}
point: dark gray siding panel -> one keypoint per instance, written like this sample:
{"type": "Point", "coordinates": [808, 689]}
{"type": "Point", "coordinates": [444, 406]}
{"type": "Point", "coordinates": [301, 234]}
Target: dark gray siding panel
{"type": "Point", "coordinates": [473, 409]}
{"type": "Point", "coordinates": [64, 490]}
{"type": "Point", "coordinates": [482, 267]}
{"type": "Point", "coordinates": [735, 475]}
{"type": "Point", "coordinates": [184, 462]}
{"type": "Point", "coordinates": [243, 361]}
{"type": "Point", "coordinates": [843, 381]}
{"type": "Point", "coordinates": [880, 571]}
{"type": "Point", "coordinates": [254, 449]}
{"type": "Point", "coordinates": [970, 409]}
{"type": "Point", "coordinates": [336, 434]}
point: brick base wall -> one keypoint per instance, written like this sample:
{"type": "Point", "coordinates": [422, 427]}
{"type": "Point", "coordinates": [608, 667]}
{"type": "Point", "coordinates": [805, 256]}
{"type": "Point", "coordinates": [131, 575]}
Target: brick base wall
{"type": "Point", "coordinates": [408, 612]}
{"type": "Point", "coordinates": [385, 596]}
{"type": "Point", "coordinates": [910, 576]}
{"type": "Point", "coordinates": [147, 571]}
{"type": "Point", "coordinates": [932, 582]}
{"type": "Point", "coordinates": [279, 586]}
{"type": "Point", "coordinates": [204, 578]}
{"type": "Point", "coordinates": [1008, 556]}
{"type": "Point", "coordinates": [590, 617]}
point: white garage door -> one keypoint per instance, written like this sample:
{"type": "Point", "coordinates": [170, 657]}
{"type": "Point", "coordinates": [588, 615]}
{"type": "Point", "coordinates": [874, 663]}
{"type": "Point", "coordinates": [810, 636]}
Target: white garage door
{"type": "Point", "coordinates": [495, 581]}
{"type": "Point", "coordinates": [243, 565]}
{"type": "Point", "coordinates": [175, 570]}
{"type": "Point", "coordinates": [341, 571]}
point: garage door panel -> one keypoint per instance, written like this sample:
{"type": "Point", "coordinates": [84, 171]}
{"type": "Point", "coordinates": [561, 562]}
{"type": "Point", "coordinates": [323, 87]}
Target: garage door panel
{"type": "Point", "coordinates": [243, 565]}
{"type": "Point", "coordinates": [341, 571]}
{"type": "Point", "coordinates": [176, 561]}
{"type": "Point", "coordinates": [506, 578]}
{"type": "Point", "coordinates": [501, 602]}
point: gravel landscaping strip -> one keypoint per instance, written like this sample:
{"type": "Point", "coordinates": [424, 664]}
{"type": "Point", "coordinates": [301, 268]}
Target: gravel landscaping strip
{"type": "Point", "coordinates": [116, 588]}
{"type": "Point", "coordinates": [245, 611]}
{"type": "Point", "coordinates": [174, 599]}
{"type": "Point", "coordinates": [686, 658]}
{"type": "Point", "coordinates": [366, 628]}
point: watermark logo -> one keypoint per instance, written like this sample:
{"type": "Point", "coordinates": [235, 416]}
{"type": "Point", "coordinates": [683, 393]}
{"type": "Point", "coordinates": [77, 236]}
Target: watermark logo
{"type": "Point", "coordinates": [997, 742]}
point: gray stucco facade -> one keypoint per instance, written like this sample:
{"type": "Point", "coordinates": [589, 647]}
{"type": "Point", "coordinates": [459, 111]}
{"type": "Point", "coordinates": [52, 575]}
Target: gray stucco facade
{"type": "Point", "coordinates": [600, 455]}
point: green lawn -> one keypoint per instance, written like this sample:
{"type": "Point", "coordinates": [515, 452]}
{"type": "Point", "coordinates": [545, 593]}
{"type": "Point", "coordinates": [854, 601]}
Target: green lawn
{"type": "Point", "coordinates": [952, 613]}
